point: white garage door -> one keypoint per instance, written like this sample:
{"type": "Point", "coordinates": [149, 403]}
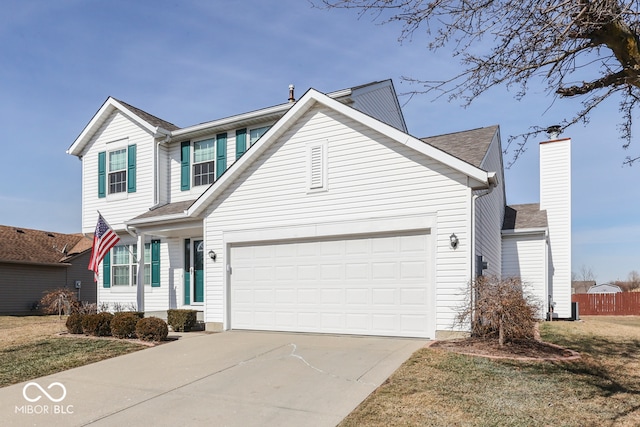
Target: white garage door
{"type": "Point", "coordinates": [372, 285]}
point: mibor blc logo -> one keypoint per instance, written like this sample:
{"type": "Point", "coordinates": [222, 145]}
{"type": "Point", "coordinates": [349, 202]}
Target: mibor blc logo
{"type": "Point", "coordinates": [34, 392]}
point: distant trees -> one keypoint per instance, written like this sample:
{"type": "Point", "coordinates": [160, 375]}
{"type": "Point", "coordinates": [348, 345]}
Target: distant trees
{"type": "Point", "coordinates": [631, 284]}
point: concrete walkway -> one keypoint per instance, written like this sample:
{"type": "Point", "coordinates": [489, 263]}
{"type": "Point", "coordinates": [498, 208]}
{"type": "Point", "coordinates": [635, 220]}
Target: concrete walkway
{"type": "Point", "coordinates": [226, 379]}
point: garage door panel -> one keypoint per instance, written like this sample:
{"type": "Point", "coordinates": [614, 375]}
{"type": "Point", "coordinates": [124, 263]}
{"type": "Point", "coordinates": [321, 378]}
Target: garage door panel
{"type": "Point", "coordinates": [357, 271]}
{"type": "Point", "coordinates": [358, 296]}
{"type": "Point", "coordinates": [372, 285]}
{"type": "Point", "coordinates": [331, 296]}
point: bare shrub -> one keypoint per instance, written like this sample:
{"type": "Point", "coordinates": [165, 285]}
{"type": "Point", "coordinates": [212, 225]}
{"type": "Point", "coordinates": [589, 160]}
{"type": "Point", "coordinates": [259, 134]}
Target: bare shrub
{"type": "Point", "coordinates": [59, 301]}
{"type": "Point", "coordinates": [499, 308]}
{"type": "Point", "coordinates": [87, 308]}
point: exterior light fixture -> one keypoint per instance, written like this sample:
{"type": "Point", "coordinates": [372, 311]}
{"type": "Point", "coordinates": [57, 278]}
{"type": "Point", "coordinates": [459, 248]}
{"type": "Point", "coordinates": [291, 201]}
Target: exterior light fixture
{"type": "Point", "coordinates": [453, 240]}
{"type": "Point", "coordinates": [212, 255]}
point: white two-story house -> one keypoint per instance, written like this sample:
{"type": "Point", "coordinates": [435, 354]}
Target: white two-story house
{"type": "Point", "coordinates": [322, 214]}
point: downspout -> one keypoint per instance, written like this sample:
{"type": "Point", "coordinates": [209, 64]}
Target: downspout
{"type": "Point", "coordinates": [156, 169]}
{"type": "Point", "coordinates": [493, 183]}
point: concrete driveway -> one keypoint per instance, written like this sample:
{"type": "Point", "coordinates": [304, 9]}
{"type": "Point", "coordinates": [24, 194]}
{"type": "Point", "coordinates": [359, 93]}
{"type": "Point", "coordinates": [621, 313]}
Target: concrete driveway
{"type": "Point", "coordinates": [226, 379]}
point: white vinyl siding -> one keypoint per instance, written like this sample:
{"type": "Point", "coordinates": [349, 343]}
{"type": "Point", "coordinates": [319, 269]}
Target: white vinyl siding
{"type": "Point", "coordinates": [379, 101]}
{"type": "Point", "coordinates": [490, 212]}
{"type": "Point", "coordinates": [115, 133]}
{"type": "Point", "coordinates": [555, 198]}
{"type": "Point", "coordinates": [524, 256]}
{"type": "Point", "coordinates": [371, 177]}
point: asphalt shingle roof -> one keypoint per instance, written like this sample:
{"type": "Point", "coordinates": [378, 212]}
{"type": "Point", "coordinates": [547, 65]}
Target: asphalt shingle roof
{"type": "Point", "coordinates": [469, 145]}
{"type": "Point", "coordinates": [150, 118]}
{"type": "Point", "coordinates": [524, 216]}
{"type": "Point", "coordinates": [39, 247]}
{"type": "Point", "coordinates": [168, 209]}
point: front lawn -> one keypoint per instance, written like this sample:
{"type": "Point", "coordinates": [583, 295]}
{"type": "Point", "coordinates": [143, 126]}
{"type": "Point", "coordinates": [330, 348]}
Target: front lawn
{"type": "Point", "coordinates": [438, 388]}
{"type": "Point", "coordinates": [30, 348]}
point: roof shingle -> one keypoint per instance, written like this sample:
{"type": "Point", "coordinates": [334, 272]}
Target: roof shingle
{"type": "Point", "coordinates": [518, 217]}
{"type": "Point", "coordinates": [23, 245]}
{"type": "Point", "coordinates": [469, 145]}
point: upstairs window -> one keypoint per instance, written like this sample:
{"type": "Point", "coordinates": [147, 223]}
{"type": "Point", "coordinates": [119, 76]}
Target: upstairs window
{"type": "Point", "coordinates": [118, 171]}
{"type": "Point", "coordinates": [255, 134]}
{"type": "Point", "coordinates": [203, 162]}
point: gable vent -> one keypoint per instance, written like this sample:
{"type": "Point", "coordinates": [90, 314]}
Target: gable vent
{"type": "Point", "coordinates": [317, 165]}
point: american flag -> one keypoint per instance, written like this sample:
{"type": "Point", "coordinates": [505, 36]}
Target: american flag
{"type": "Point", "coordinates": [104, 239]}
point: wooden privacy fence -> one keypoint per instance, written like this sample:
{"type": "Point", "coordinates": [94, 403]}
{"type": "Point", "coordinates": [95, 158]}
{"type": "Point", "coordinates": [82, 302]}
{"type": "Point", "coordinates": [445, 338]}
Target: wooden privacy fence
{"type": "Point", "coordinates": [621, 303]}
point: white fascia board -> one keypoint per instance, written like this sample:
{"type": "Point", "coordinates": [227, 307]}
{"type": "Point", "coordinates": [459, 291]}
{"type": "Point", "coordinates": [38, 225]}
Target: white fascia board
{"type": "Point", "coordinates": [107, 108]}
{"type": "Point", "coordinates": [311, 97]}
{"type": "Point", "coordinates": [157, 219]}
{"type": "Point", "coordinates": [185, 132]}
{"type": "Point", "coordinates": [525, 231]}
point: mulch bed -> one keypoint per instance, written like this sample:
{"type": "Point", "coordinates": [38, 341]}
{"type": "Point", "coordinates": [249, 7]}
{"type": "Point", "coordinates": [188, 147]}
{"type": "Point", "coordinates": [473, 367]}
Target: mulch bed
{"type": "Point", "coordinates": [524, 350]}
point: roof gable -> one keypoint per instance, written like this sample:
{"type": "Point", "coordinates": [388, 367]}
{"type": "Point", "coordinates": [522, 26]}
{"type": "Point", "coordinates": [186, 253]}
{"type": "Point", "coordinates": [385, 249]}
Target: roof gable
{"type": "Point", "coordinates": [150, 123]}
{"type": "Point", "coordinates": [478, 177]}
{"type": "Point", "coordinates": [23, 245]}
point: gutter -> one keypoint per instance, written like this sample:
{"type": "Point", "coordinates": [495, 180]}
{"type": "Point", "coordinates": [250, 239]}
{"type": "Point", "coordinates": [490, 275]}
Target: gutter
{"type": "Point", "coordinates": [44, 264]}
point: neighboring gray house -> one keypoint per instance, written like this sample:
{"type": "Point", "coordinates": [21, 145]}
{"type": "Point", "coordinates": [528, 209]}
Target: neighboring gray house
{"type": "Point", "coordinates": [321, 215]}
{"type": "Point", "coordinates": [33, 262]}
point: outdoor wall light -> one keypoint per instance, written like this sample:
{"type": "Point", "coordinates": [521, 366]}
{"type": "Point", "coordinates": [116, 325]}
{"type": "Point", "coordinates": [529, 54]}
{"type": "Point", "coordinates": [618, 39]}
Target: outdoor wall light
{"type": "Point", "coordinates": [213, 255]}
{"type": "Point", "coordinates": [453, 239]}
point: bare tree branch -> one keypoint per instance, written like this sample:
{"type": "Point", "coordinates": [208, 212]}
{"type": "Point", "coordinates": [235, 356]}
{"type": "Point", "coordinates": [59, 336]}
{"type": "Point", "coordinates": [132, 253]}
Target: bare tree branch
{"type": "Point", "coordinates": [506, 43]}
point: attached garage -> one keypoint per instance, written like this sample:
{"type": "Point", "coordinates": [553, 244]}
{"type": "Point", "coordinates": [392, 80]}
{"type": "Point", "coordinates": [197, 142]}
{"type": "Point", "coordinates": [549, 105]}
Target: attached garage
{"type": "Point", "coordinates": [376, 284]}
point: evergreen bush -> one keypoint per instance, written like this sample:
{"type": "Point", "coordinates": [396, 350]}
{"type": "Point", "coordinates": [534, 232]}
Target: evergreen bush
{"type": "Point", "coordinates": [97, 324]}
{"type": "Point", "coordinates": [152, 329]}
{"type": "Point", "coordinates": [74, 323]}
{"type": "Point", "coordinates": [123, 324]}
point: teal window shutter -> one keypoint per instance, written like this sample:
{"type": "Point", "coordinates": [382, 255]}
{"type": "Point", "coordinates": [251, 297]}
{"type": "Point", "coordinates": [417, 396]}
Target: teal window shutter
{"type": "Point", "coordinates": [102, 174]}
{"type": "Point", "coordinates": [185, 167]}
{"type": "Point", "coordinates": [155, 263]}
{"type": "Point", "coordinates": [187, 268]}
{"type": "Point", "coordinates": [241, 142]}
{"type": "Point", "coordinates": [131, 169]}
{"type": "Point", "coordinates": [106, 270]}
{"type": "Point", "coordinates": [221, 154]}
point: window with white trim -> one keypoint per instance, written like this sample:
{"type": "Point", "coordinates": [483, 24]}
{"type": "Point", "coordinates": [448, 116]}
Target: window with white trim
{"type": "Point", "coordinates": [255, 134]}
{"type": "Point", "coordinates": [117, 171]}
{"type": "Point", "coordinates": [124, 265]}
{"type": "Point", "coordinates": [203, 162]}
{"type": "Point", "coordinates": [317, 166]}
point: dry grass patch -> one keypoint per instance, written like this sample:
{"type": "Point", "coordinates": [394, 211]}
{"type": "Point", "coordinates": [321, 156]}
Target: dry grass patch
{"type": "Point", "coordinates": [30, 348]}
{"type": "Point", "coordinates": [436, 387]}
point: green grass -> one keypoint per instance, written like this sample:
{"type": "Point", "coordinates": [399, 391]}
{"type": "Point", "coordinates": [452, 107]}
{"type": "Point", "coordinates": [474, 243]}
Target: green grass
{"type": "Point", "coordinates": [49, 356]}
{"type": "Point", "coordinates": [437, 388]}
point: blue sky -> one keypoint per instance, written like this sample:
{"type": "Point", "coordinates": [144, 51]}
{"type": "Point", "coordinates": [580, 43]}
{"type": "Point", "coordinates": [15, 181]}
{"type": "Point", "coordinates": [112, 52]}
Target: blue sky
{"type": "Point", "coordinates": [193, 61]}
